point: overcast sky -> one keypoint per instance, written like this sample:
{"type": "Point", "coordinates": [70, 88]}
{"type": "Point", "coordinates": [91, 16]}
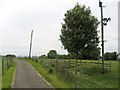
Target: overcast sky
{"type": "Point", "coordinates": [19, 17]}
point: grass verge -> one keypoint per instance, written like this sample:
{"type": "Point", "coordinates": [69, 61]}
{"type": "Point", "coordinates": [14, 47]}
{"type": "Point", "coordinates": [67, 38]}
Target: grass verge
{"type": "Point", "coordinates": [7, 78]}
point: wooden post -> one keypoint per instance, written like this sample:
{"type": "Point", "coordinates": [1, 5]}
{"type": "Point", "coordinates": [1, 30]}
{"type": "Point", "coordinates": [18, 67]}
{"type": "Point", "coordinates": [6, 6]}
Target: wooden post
{"type": "Point", "coordinates": [2, 66]}
{"type": "Point", "coordinates": [76, 75]}
{"type": "Point", "coordinates": [7, 63]}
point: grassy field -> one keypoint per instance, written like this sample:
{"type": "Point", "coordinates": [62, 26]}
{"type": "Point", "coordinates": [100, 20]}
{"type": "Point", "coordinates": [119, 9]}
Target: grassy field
{"type": "Point", "coordinates": [7, 77]}
{"type": "Point", "coordinates": [88, 75]}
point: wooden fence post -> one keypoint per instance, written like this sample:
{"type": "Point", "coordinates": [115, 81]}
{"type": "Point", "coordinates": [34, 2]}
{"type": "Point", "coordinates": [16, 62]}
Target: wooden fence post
{"type": "Point", "coordinates": [2, 66]}
{"type": "Point", "coordinates": [76, 75]}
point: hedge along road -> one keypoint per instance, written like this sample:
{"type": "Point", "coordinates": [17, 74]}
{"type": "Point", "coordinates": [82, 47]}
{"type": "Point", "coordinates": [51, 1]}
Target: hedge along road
{"type": "Point", "coordinates": [26, 77]}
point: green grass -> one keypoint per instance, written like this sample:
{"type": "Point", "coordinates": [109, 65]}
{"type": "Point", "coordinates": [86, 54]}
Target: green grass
{"type": "Point", "coordinates": [92, 78]}
{"type": "Point", "coordinates": [87, 77]}
{"type": "Point", "coordinates": [0, 72]}
{"type": "Point", "coordinates": [4, 65]}
{"type": "Point", "coordinates": [7, 77]}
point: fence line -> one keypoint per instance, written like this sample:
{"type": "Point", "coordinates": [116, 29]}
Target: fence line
{"type": "Point", "coordinates": [7, 62]}
{"type": "Point", "coordinates": [66, 69]}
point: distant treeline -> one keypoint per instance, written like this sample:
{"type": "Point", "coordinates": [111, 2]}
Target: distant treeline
{"type": "Point", "coordinates": [52, 54]}
{"type": "Point", "coordinates": [8, 55]}
{"type": "Point", "coordinates": [111, 56]}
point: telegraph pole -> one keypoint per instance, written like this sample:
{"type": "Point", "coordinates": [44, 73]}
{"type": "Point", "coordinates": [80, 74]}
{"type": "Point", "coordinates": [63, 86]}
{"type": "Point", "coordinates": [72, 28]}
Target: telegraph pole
{"type": "Point", "coordinates": [103, 22]}
{"type": "Point", "coordinates": [102, 35]}
{"type": "Point", "coordinates": [30, 44]}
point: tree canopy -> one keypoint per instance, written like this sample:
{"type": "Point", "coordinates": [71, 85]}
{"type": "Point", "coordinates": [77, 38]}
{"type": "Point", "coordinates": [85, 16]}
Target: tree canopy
{"type": "Point", "coordinates": [52, 54]}
{"type": "Point", "coordinates": [79, 33]}
{"type": "Point", "coordinates": [43, 57]}
{"type": "Point", "coordinates": [110, 56]}
{"type": "Point", "coordinates": [10, 55]}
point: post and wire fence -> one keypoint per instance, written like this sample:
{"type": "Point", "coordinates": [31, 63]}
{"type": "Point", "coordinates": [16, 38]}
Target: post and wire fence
{"type": "Point", "coordinates": [68, 71]}
{"type": "Point", "coordinates": [7, 62]}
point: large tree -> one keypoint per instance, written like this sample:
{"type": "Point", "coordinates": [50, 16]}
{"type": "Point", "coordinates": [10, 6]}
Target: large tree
{"type": "Point", "coordinates": [79, 33]}
{"type": "Point", "coordinates": [52, 54]}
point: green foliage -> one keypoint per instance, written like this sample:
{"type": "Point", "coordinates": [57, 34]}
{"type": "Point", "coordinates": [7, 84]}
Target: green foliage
{"type": "Point", "coordinates": [52, 54]}
{"type": "Point", "coordinates": [50, 70]}
{"type": "Point", "coordinates": [68, 56]}
{"type": "Point", "coordinates": [90, 53]}
{"type": "Point", "coordinates": [79, 32]}
{"type": "Point", "coordinates": [62, 56]}
{"type": "Point", "coordinates": [93, 70]}
{"type": "Point", "coordinates": [110, 56]}
{"type": "Point", "coordinates": [10, 55]}
{"type": "Point", "coordinates": [43, 57]}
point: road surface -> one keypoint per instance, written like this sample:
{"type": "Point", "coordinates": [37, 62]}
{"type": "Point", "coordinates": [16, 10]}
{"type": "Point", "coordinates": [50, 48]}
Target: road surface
{"type": "Point", "coordinates": [26, 77]}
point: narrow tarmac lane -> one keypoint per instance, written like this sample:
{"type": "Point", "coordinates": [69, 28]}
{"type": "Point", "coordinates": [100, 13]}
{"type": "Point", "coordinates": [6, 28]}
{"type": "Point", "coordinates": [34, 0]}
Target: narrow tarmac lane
{"type": "Point", "coordinates": [26, 77]}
